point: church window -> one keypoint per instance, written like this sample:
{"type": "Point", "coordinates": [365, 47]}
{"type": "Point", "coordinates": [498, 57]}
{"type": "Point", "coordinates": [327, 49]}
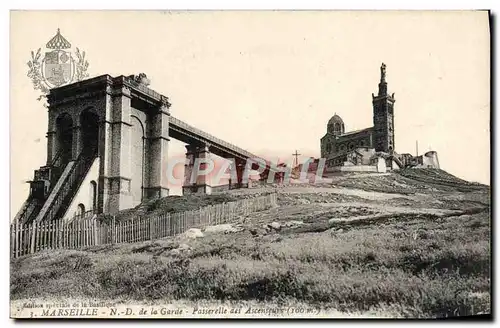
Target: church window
{"type": "Point", "coordinates": [336, 128]}
{"type": "Point", "coordinates": [328, 147]}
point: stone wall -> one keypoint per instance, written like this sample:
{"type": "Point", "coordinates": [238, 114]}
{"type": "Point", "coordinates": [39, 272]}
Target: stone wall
{"type": "Point", "coordinates": [333, 147]}
{"type": "Point", "coordinates": [352, 168]}
{"type": "Point", "coordinates": [220, 189]}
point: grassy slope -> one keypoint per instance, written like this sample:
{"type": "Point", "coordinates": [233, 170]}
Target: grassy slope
{"type": "Point", "coordinates": [408, 255]}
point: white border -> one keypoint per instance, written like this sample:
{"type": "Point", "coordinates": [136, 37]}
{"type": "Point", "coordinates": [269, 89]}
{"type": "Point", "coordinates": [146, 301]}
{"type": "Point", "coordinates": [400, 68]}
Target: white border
{"type": "Point", "coordinates": [186, 4]}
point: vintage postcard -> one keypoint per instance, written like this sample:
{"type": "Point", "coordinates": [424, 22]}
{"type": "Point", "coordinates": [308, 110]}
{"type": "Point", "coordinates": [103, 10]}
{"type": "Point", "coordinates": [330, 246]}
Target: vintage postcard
{"type": "Point", "coordinates": [250, 164]}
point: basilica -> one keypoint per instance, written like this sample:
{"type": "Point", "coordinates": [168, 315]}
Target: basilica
{"type": "Point", "coordinates": [372, 147]}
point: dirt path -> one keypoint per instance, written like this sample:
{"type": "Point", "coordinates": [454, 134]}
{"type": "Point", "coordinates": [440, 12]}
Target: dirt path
{"type": "Point", "coordinates": [387, 209]}
{"type": "Point", "coordinates": [370, 195]}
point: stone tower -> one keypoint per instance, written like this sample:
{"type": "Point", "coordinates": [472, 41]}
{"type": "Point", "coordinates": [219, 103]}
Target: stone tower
{"type": "Point", "coordinates": [383, 116]}
{"type": "Point", "coordinates": [107, 150]}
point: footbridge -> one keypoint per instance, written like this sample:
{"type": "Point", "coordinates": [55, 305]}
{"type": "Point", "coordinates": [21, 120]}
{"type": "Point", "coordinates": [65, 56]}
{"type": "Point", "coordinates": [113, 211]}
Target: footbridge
{"type": "Point", "coordinates": [110, 135]}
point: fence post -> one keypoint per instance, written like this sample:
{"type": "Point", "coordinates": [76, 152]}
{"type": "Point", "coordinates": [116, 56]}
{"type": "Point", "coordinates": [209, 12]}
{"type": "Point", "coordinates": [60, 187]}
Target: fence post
{"type": "Point", "coordinates": [96, 233]}
{"type": "Point", "coordinates": [87, 232]}
{"type": "Point", "coordinates": [151, 228]}
{"type": "Point", "coordinates": [16, 253]}
{"type": "Point", "coordinates": [16, 239]}
{"type": "Point", "coordinates": [132, 228]}
{"type": "Point", "coordinates": [21, 240]}
{"type": "Point", "coordinates": [18, 224]}
{"type": "Point", "coordinates": [33, 236]}
{"type": "Point", "coordinates": [53, 242]}
{"type": "Point", "coordinates": [59, 233]}
{"type": "Point", "coordinates": [113, 230]}
{"type": "Point", "coordinates": [12, 240]}
{"type": "Point", "coordinates": [173, 219]}
{"type": "Point", "coordinates": [84, 233]}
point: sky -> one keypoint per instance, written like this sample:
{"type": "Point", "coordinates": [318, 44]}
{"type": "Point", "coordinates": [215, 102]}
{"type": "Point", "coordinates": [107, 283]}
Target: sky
{"type": "Point", "coordinates": [269, 81]}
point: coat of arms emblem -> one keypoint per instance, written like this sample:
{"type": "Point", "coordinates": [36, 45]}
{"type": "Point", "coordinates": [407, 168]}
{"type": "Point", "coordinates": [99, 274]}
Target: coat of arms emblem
{"type": "Point", "coordinates": [58, 66]}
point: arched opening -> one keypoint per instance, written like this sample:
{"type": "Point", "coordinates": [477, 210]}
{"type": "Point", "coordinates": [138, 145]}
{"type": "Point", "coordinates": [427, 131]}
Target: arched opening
{"type": "Point", "coordinates": [336, 128]}
{"type": "Point", "coordinates": [90, 132]}
{"type": "Point", "coordinates": [93, 195]}
{"type": "Point", "coordinates": [137, 159]}
{"type": "Point", "coordinates": [64, 134]}
{"type": "Point", "coordinates": [81, 210]}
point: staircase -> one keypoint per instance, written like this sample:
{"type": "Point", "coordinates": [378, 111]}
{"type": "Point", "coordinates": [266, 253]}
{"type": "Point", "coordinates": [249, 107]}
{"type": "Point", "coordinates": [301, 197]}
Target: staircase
{"type": "Point", "coordinates": [52, 191]}
{"type": "Point", "coordinates": [66, 188]}
{"type": "Point", "coordinates": [29, 210]}
{"type": "Point", "coordinates": [44, 178]}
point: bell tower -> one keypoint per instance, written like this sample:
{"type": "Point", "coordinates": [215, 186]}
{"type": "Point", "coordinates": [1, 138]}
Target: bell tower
{"type": "Point", "coordinates": [383, 116]}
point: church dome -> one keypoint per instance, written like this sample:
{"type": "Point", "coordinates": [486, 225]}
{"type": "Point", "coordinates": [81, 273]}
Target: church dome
{"type": "Point", "coordinates": [335, 118]}
{"type": "Point", "coordinates": [336, 125]}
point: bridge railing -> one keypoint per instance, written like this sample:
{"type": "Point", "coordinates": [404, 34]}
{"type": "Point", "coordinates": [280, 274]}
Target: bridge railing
{"type": "Point", "coordinates": [209, 137]}
{"type": "Point", "coordinates": [213, 139]}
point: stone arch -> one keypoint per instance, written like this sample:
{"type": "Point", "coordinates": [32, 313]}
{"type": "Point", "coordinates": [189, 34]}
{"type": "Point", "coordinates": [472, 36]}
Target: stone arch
{"type": "Point", "coordinates": [91, 109]}
{"type": "Point", "coordinates": [64, 137]}
{"type": "Point", "coordinates": [80, 210]}
{"type": "Point", "coordinates": [89, 136]}
{"type": "Point", "coordinates": [137, 158]}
